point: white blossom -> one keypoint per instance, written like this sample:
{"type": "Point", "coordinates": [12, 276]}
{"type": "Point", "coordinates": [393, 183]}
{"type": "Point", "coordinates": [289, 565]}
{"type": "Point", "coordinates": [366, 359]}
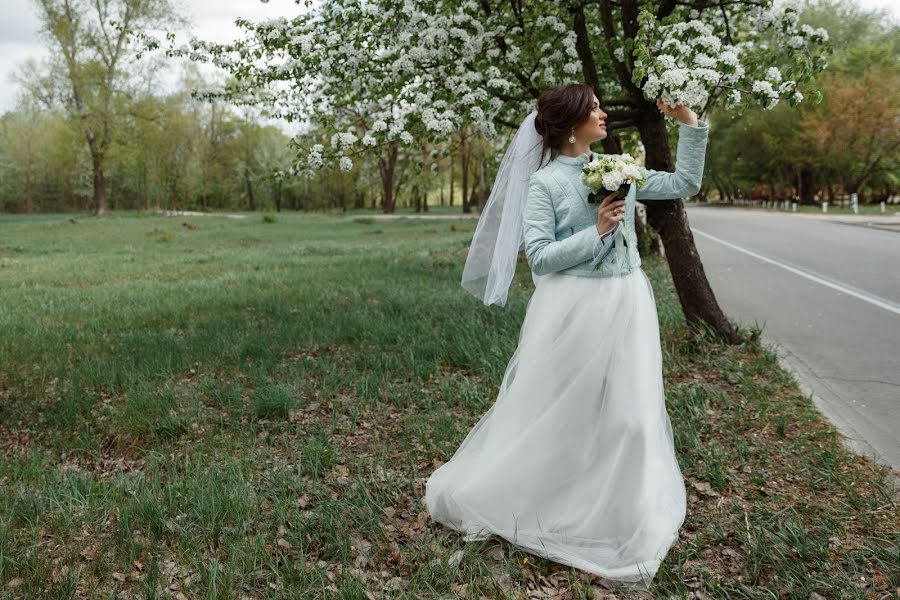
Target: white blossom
{"type": "Point", "coordinates": [343, 140]}
{"type": "Point", "coordinates": [432, 71]}
{"type": "Point", "coordinates": [764, 87]}
{"type": "Point", "coordinates": [705, 61]}
{"type": "Point", "coordinates": [689, 59]}
{"type": "Point", "coordinates": [314, 159]}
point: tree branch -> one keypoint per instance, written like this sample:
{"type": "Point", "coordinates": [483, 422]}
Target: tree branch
{"type": "Point", "coordinates": [619, 115]}
{"type": "Point", "coordinates": [609, 31]}
{"type": "Point", "coordinates": [625, 123]}
{"type": "Point", "coordinates": [629, 13]}
{"type": "Point", "coordinates": [727, 26]}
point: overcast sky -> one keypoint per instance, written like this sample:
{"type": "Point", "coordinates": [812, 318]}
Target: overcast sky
{"type": "Point", "coordinates": [212, 20]}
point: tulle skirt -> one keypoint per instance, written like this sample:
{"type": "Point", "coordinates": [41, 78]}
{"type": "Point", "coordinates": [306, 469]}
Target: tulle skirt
{"type": "Point", "coordinates": [575, 460]}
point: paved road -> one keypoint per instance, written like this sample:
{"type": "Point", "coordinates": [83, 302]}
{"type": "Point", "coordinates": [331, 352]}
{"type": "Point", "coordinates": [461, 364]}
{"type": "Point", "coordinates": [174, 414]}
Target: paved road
{"type": "Point", "coordinates": [826, 291]}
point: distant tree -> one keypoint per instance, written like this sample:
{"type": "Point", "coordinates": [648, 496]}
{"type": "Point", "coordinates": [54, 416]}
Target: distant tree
{"type": "Point", "coordinates": [93, 40]}
{"type": "Point", "coordinates": [848, 142]}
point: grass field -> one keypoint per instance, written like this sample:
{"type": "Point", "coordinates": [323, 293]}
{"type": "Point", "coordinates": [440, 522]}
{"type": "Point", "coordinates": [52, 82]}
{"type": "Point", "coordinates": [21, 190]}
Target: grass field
{"type": "Point", "coordinates": [206, 407]}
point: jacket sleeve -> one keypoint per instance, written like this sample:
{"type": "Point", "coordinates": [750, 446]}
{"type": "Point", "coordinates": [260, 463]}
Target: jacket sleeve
{"type": "Point", "coordinates": [689, 159]}
{"type": "Point", "coordinates": [544, 253]}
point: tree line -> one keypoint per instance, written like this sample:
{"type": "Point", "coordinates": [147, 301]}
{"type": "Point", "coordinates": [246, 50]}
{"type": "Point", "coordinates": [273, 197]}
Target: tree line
{"type": "Point", "coordinates": [90, 132]}
{"type": "Point", "coordinates": [175, 152]}
{"type": "Point", "coordinates": [814, 153]}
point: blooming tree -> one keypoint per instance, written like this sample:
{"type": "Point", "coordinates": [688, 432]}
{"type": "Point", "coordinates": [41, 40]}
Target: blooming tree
{"type": "Point", "coordinates": [424, 68]}
{"type": "Point", "coordinates": [684, 62]}
{"type": "Point", "coordinates": [414, 70]}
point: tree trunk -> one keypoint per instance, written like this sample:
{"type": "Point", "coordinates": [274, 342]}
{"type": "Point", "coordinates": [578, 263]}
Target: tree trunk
{"type": "Point", "coordinates": [251, 199]}
{"type": "Point", "coordinates": [386, 169]}
{"type": "Point", "coordinates": [99, 184]}
{"type": "Point", "coordinates": [465, 158]}
{"type": "Point", "coordinates": [483, 192]}
{"type": "Point", "coordinates": [452, 163]}
{"type": "Point", "coordinates": [145, 196]}
{"type": "Point", "coordinates": [669, 219]}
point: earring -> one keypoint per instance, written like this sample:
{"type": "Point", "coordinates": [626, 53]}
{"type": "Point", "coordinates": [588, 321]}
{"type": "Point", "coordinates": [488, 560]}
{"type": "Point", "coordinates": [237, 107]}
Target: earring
{"type": "Point", "coordinates": [572, 137]}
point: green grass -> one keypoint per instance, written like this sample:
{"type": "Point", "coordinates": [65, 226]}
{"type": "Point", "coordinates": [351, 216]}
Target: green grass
{"type": "Point", "coordinates": [251, 407]}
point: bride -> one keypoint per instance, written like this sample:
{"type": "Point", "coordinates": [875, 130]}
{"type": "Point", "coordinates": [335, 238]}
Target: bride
{"type": "Point", "coordinates": [575, 459]}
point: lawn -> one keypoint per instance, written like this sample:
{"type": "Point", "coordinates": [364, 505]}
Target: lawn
{"type": "Point", "coordinates": [211, 407]}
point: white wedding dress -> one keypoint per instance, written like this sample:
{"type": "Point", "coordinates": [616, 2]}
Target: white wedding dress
{"type": "Point", "coordinates": [575, 460]}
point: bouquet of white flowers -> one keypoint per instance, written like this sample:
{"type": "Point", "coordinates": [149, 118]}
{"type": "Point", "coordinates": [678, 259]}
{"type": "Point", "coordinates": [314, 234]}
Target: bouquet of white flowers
{"type": "Point", "coordinates": [611, 172]}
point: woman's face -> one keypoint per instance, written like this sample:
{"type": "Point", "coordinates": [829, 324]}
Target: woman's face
{"type": "Point", "coordinates": [594, 127]}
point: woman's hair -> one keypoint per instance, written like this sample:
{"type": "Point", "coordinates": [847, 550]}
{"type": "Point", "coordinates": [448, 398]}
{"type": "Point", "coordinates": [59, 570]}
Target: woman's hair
{"type": "Point", "coordinates": [559, 109]}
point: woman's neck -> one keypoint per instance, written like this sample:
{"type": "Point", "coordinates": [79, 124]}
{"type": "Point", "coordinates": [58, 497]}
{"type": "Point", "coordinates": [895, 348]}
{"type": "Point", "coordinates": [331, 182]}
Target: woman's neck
{"type": "Point", "coordinates": [576, 149]}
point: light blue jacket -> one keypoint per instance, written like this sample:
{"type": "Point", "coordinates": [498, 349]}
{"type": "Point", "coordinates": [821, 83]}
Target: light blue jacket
{"type": "Point", "coordinates": [560, 226]}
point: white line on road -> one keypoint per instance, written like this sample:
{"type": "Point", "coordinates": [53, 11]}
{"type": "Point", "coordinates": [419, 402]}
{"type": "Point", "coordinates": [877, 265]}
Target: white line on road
{"type": "Point", "coordinates": [871, 299]}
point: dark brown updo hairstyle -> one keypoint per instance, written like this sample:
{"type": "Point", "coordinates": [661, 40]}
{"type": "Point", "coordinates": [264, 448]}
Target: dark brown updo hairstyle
{"type": "Point", "coordinates": [559, 109]}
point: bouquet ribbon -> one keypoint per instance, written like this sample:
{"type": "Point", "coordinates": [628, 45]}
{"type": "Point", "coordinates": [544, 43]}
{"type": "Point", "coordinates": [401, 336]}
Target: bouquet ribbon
{"type": "Point", "coordinates": [621, 251]}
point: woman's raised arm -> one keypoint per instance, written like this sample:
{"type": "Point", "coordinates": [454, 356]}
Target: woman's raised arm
{"type": "Point", "coordinates": [689, 159]}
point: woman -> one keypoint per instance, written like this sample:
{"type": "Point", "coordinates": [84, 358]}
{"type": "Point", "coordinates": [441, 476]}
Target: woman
{"type": "Point", "coordinates": [575, 460]}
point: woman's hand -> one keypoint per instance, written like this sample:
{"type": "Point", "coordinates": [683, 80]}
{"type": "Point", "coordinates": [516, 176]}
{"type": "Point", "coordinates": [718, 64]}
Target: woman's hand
{"type": "Point", "coordinates": [609, 213]}
{"type": "Point", "coordinates": [681, 112]}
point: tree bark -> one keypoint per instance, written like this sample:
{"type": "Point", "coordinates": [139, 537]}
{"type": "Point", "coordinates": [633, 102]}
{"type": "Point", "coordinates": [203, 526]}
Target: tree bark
{"type": "Point", "coordinates": [465, 158]}
{"type": "Point", "coordinates": [807, 185]}
{"type": "Point", "coordinates": [251, 199]}
{"type": "Point", "coordinates": [483, 192]}
{"type": "Point", "coordinates": [387, 164]}
{"type": "Point", "coordinates": [452, 164]}
{"type": "Point", "coordinates": [610, 143]}
{"type": "Point", "coordinates": [669, 219]}
{"type": "Point", "coordinates": [99, 184]}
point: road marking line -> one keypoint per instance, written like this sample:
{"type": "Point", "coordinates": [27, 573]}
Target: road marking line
{"type": "Point", "coordinates": [871, 299]}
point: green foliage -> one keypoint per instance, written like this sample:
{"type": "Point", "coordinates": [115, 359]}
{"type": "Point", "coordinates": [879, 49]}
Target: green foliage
{"type": "Point", "coordinates": [830, 147]}
{"type": "Point", "coordinates": [177, 153]}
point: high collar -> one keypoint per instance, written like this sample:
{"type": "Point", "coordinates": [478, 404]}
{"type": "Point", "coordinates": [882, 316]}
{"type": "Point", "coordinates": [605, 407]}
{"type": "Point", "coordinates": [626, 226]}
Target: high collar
{"type": "Point", "coordinates": [575, 161]}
